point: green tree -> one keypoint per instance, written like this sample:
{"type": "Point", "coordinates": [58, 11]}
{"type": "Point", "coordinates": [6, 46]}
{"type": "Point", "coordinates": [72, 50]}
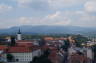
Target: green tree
{"type": "Point", "coordinates": [66, 45]}
{"type": "Point", "coordinates": [10, 57]}
{"type": "Point", "coordinates": [79, 40]}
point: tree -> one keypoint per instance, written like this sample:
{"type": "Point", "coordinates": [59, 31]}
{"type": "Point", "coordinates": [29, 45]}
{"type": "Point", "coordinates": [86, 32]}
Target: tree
{"type": "Point", "coordinates": [66, 45]}
{"type": "Point", "coordinates": [79, 40]}
{"type": "Point", "coordinates": [42, 42]}
{"type": "Point", "coordinates": [10, 57]}
{"type": "Point", "coordinates": [13, 42]}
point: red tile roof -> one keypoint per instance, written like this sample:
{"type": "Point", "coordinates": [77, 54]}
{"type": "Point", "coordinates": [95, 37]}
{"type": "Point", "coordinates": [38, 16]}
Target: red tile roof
{"type": "Point", "coordinates": [19, 49]}
{"type": "Point", "coordinates": [24, 41]}
{"type": "Point", "coordinates": [48, 38]}
{"type": "Point", "coordinates": [24, 44]}
{"type": "Point", "coordinates": [22, 49]}
{"type": "Point", "coordinates": [49, 47]}
{"type": "Point", "coordinates": [3, 47]}
{"type": "Point", "coordinates": [54, 57]}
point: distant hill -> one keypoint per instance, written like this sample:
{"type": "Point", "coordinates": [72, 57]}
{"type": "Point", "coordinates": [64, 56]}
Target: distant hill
{"type": "Point", "coordinates": [49, 30]}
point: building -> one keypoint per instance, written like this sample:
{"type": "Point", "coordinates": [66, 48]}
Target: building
{"type": "Point", "coordinates": [2, 52]}
{"type": "Point", "coordinates": [24, 43]}
{"type": "Point", "coordinates": [27, 42]}
{"type": "Point", "coordinates": [22, 54]}
{"type": "Point", "coordinates": [77, 58]}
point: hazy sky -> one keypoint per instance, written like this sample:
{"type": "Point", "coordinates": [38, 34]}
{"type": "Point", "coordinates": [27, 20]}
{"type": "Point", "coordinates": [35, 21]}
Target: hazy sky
{"type": "Point", "coordinates": [48, 12]}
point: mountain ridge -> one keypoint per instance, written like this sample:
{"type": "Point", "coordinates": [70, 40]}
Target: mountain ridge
{"type": "Point", "coordinates": [48, 29]}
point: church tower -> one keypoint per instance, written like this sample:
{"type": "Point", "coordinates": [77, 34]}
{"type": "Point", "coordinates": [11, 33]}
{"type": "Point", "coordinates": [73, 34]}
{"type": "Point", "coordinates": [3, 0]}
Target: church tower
{"type": "Point", "coordinates": [19, 35]}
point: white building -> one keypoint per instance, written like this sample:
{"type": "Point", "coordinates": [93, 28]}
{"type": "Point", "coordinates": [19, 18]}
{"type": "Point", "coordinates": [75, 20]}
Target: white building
{"type": "Point", "coordinates": [89, 53]}
{"type": "Point", "coordinates": [23, 54]}
{"type": "Point", "coordinates": [71, 50]}
{"type": "Point", "coordinates": [2, 59]}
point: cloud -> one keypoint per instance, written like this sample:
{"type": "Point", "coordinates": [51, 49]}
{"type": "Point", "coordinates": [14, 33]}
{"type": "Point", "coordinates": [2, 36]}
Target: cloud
{"type": "Point", "coordinates": [34, 4]}
{"type": "Point", "coordinates": [52, 16]}
{"type": "Point", "coordinates": [81, 18]}
{"type": "Point", "coordinates": [61, 4]}
{"type": "Point", "coordinates": [56, 19]}
{"type": "Point", "coordinates": [23, 3]}
{"type": "Point", "coordinates": [28, 21]}
{"type": "Point", "coordinates": [49, 4]}
{"type": "Point", "coordinates": [54, 12]}
{"type": "Point", "coordinates": [65, 18]}
{"type": "Point", "coordinates": [5, 8]}
{"type": "Point", "coordinates": [74, 18]}
{"type": "Point", "coordinates": [90, 6]}
{"type": "Point", "coordinates": [7, 23]}
{"type": "Point", "coordinates": [87, 21]}
{"type": "Point", "coordinates": [25, 20]}
{"type": "Point", "coordinates": [61, 18]}
{"type": "Point", "coordinates": [52, 19]}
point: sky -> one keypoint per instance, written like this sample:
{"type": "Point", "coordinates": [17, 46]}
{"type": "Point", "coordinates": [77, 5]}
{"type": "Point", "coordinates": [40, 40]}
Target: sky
{"type": "Point", "coordinates": [47, 12]}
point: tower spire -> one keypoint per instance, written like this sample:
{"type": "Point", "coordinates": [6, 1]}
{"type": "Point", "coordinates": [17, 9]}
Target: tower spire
{"type": "Point", "coordinates": [19, 31]}
{"type": "Point", "coordinates": [19, 35]}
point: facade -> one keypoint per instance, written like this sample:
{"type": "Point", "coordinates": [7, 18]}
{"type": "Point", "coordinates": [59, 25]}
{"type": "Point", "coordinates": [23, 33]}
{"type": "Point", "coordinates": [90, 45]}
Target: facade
{"type": "Point", "coordinates": [23, 56]}
{"type": "Point", "coordinates": [2, 59]}
{"type": "Point", "coordinates": [19, 53]}
{"type": "Point", "coordinates": [20, 57]}
{"type": "Point", "coordinates": [2, 49]}
{"type": "Point", "coordinates": [89, 53]}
